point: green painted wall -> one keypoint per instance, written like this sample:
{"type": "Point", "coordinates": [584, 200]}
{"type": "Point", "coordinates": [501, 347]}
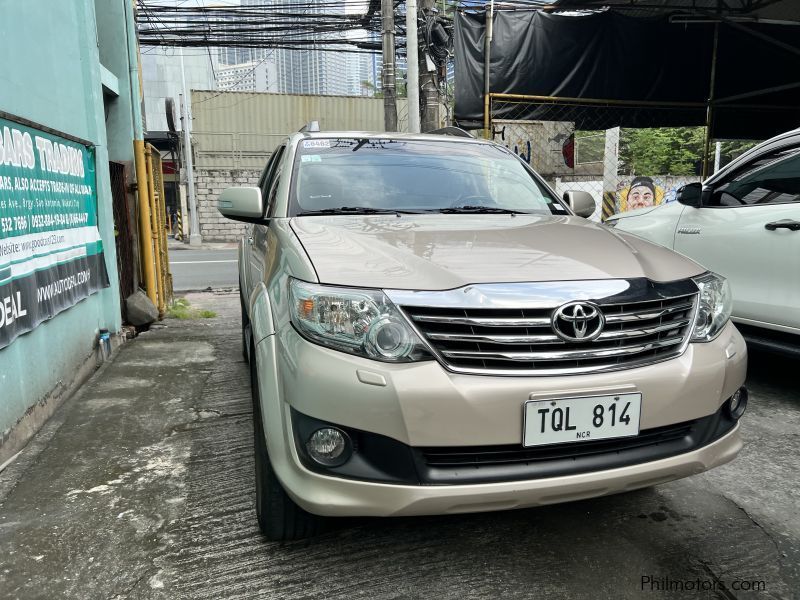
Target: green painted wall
{"type": "Point", "coordinates": [51, 75]}
{"type": "Point", "coordinates": [113, 54]}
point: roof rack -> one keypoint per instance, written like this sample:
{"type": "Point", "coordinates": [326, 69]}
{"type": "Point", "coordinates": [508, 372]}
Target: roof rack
{"type": "Point", "coordinates": [454, 131]}
{"type": "Point", "coordinates": [310, 127]}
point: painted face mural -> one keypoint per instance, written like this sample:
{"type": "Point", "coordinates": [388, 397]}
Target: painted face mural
{"type": "Point", "coordinates": [642, 193]}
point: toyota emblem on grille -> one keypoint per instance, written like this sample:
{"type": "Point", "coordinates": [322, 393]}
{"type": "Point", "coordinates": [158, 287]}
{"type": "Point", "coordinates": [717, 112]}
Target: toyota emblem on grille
{"type": "Point", "coordinates": [578, 321]}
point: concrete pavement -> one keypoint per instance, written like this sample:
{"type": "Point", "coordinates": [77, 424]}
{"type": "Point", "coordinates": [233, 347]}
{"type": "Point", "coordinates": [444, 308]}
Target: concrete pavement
{"type": "Point", "coordinates": [141, 486]}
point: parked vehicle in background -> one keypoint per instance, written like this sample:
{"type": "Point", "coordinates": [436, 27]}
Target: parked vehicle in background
{"type": "Point", "coordinates": [743, 223]}
{"type": "Point", "coordinates": [431, 330]}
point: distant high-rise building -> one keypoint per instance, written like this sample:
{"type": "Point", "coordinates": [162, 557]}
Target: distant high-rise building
{"type": "Point", "coordinates": [361, 73]}
{"type": "Point", "coordinates": [321, 69]}
{"type": "Point", "coordinates": [238, 56]}
{"type": "Point", "coordinates": [257, 76]}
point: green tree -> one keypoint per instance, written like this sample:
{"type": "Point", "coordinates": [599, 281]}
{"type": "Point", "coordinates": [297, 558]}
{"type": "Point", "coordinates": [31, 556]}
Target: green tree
{"type": "Point", "coordinates": [662, 151]}
{"type": "Point", "coordinates": [732, 149]}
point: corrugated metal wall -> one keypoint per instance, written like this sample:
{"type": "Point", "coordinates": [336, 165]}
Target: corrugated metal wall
{"type": "Point", "coordinates": [240, 129]}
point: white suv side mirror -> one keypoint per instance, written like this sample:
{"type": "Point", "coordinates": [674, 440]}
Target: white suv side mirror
{"type": "Point", "coordinates": [242, 204]}
{"type": "Point", "coordinates": [581, 203]}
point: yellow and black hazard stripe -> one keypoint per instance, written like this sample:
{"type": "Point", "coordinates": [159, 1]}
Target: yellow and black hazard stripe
{"type": "Point", "coordinates": [609, 204]}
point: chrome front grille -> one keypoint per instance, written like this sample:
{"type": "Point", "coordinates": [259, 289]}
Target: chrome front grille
{"type": "Point", "coordinates": [519, 341]}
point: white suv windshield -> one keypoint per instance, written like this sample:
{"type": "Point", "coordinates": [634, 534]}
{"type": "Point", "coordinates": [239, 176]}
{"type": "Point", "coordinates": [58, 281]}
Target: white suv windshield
{"type": "Point", "coordinates": [375, 175]}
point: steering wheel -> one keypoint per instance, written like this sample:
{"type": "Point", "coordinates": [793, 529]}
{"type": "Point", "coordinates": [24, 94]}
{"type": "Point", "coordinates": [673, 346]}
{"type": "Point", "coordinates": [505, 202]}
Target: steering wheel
{"type": "Point", "coordinates": [472, 200]}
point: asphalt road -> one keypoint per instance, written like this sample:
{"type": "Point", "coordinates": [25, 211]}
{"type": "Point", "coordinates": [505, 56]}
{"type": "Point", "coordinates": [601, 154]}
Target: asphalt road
{"type": "Point", "coordinates": [142, 487]}
{"type": "Point", "coordinates": [201, 269]}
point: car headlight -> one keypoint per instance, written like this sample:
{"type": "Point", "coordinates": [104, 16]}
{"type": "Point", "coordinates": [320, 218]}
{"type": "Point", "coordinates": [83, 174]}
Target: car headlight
{"type": "Point", "coordinates": [715, 307]}
{"type": "Point", "coordinates": [357, 321]}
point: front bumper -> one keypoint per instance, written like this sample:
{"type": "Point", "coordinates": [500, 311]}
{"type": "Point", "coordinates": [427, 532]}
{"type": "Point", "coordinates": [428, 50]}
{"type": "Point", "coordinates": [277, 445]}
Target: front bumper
{"type": "Point", "coordinates": [423, 405]}
{"type": "Point", "coordinates": [331, 496]}
{"type": "Point", "coordinates": [383, 460]}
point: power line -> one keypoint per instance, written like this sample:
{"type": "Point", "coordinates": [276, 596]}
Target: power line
{"type": "Point", "coordinates": [293, 24]}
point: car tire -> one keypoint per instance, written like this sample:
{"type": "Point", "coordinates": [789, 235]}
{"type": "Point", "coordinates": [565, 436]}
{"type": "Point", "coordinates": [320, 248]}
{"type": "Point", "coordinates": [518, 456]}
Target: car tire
{"type": "Point", "coordinates": [279, 518]}
{"type": "Point", "coordinates": [245, 323]}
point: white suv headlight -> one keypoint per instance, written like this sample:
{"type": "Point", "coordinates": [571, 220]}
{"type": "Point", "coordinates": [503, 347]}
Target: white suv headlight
{"type": "Point", "coordinates": [357, 321]}
{"type": "Point", "coordinates": [715, 307]}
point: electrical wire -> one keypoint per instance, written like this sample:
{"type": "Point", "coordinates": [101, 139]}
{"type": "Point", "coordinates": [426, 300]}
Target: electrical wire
{"type": "Point", "coordinates": [347, 26]}
{"type": "Point", "coordinates": [273, 24]}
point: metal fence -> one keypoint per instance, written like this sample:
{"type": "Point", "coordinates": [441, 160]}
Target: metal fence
{"type": "Point", "coordinates": [158, 220]}
{"type": "Point", "coordinates": [226, 150]}
{"type": "Point", "coordinates": [239, 130]}
{"type": "Point", "coordinates": [568, 141]}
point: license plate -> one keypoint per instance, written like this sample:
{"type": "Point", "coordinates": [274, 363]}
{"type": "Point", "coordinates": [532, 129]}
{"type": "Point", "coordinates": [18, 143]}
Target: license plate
{"type": "Point", "coordinates": [561, 420]}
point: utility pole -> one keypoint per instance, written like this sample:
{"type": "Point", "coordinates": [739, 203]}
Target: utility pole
{"type": "Point", "coordinates": [146, 258]}
{"type": "Point", "coordinates": [388, 75]}
{"type": "Point", "coordinates": [487, 62]}
{"type": "Point", "coordinates": [428, 81]}
{"type": "Point", "coordinates": [195, 239]}
{"type": "Point", "coordinates": [412, 60]}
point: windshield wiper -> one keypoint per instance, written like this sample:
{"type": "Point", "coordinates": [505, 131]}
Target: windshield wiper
{"type": "Point", "coordinates": [356, 210]}
{"type": "Point", "coordinates": [469, 208]}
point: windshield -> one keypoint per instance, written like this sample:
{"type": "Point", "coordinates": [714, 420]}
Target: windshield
{"type": "Point", "coordinates": [352, 175]}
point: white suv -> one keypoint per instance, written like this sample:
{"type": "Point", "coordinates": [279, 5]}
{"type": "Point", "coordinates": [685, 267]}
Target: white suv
{"type": "Point", "coordinates": [743, 223]}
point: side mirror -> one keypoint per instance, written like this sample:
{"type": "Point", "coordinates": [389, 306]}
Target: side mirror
{"type": "Point", "coordinates": [690, 195]}
{"type": "Point", "coordinates": [581, 203]}
{"type": "Point", "coordinates": [242, 204]}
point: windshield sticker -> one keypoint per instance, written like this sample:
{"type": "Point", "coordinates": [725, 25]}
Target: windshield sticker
{"type": "Point", "coordinates": [311, 158]}
{"type": "Point", "coordinates": [316, 143]}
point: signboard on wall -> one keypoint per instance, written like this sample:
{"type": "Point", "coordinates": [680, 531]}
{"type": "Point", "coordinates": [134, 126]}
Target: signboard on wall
{"type": "Point", "coordinates": [51, 254]}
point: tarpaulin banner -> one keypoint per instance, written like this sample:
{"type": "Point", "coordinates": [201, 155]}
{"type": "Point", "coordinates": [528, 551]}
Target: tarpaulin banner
{"type": "Point", "coordinates": [51, 254]}
{"type": "Point", "coordinates": [606, 55]}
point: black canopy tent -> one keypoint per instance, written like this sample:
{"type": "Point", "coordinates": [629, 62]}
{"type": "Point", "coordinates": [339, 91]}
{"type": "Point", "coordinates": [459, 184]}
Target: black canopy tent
{"type": "Point", "coordinates": [733, 65]}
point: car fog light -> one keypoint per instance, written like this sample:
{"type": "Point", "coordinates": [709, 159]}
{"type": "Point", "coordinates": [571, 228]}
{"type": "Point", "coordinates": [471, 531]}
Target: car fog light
{"type": "Point", "coordinates": [329, 446]}
{"type": "Point", "coordinates": [737, 403]}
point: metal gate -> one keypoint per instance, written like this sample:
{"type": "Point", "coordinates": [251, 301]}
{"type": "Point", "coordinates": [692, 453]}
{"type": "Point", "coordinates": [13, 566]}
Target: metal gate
{"type": "Point", "coordinates": [158, 222]}
{"type": "Point", "coordinates": [622, 168]}
{"type": "Point", "coordinates": [123, 234]}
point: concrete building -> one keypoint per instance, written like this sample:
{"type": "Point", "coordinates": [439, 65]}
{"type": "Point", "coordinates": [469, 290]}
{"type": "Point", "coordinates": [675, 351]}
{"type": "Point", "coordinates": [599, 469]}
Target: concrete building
{"type": "Point", "coordinates": [239, 56]}
{"type": "Point", "coordinates": [313, 72]}
{"type": "Point", "coordinates": [161, 79]}
{"type": "Point", "coordinates": [361, 75]}
{"type": "Point", "coordinates": [256, 76]}
{"type": "Point", "coordinates": [67, 108]}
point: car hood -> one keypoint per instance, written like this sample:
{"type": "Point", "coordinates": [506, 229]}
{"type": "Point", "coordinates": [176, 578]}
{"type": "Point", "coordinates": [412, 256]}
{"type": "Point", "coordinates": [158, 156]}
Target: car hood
{"type": "Point", "coordinates": [437, 252]}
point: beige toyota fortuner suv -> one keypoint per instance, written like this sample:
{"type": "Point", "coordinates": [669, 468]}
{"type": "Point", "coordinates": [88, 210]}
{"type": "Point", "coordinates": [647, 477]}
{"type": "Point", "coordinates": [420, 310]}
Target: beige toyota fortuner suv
{"type": "Point", "coordinates": [432, 330]}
